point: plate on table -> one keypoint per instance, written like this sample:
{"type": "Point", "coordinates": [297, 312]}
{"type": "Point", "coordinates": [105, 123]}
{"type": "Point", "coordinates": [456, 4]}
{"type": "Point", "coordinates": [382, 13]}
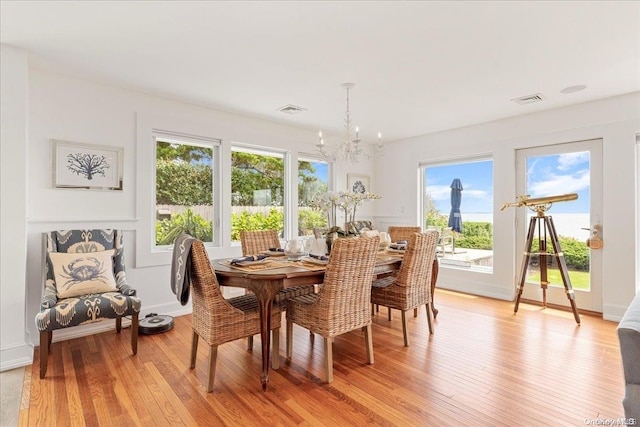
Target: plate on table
{"type": "Point", "coordinates": [315, 260]}
{"type": "Point", "coordinates": [273, 253]}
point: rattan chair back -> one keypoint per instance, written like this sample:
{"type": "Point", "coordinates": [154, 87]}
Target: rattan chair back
{"type": "Point", "coordinates": [397, 233]}
{"type": "Point", "coordinates": [415, 270]}
{"type": "Point", "coordinates": [343, 301]}
{"type": "Point", "coordinates": [254, 242]}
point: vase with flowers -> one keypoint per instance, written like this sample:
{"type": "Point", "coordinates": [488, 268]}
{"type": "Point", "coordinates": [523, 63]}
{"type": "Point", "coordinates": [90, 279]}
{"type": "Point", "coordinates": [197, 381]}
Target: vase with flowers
{"type": "Point", "coordinates": [346, 203]}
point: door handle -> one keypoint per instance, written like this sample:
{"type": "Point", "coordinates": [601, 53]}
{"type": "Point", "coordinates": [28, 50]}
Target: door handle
{"type": "Point", "coordinates": [594, 241]}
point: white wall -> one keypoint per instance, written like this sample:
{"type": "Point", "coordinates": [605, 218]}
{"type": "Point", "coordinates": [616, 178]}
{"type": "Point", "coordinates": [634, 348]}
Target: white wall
{"type": "Point", "coordinates": [615, 120]}
{"type": "Point", "coordinates": [65, 108]}
{"type": "Point", "coordinates": [14, 350]}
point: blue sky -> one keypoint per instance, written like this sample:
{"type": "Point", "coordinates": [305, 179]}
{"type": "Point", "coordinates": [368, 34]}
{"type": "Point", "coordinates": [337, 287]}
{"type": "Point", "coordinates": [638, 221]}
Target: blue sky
{"type": "Point", "coordinates": [560, 174]}
{"type": "Point", "coordinates": [546, 176]}
{"type": "Point", "coordinates": [477, 183]}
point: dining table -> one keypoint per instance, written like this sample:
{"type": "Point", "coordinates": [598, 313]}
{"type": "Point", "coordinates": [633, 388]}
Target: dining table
{"type": "Point", "coordinates": [265, 283]}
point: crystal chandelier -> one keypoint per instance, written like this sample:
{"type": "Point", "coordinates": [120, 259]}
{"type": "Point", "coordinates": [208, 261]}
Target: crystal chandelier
{"type": "Point", "coordinates": [350, 148]}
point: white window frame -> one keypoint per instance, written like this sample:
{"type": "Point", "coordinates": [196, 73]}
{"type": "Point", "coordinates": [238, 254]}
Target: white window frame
{"type": "Point", "coordinates": [287, 208]}
{"type": "Point", "coordinates": [148, 125]}
{"type": "Point", "coordinates": [198, 141]}
{"type": "Point", "coordinates": [422, 189]}
{"type": "Point", "coordinates": [294, 176]}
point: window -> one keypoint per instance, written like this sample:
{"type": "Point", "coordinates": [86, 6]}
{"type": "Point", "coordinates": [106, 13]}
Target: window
{"type": "Point", "coordinates": [457, 200]}
{"type": "Point", "coordinates": [185, 190]}
{"type": "Point", "coordinates": [257, 190]}
{"type": "Point", "coordinates": [313, 181]}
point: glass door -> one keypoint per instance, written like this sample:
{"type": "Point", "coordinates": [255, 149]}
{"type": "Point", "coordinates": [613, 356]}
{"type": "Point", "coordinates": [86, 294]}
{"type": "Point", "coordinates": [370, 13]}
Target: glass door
{"type": "Point", "coordinates": [555, 170]}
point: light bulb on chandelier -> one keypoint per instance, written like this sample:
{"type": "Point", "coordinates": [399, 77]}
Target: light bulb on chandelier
{"type": "Point", "coordinates": [350, 148]}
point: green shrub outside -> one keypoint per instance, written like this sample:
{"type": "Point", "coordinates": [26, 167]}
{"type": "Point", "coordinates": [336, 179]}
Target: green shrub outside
{"type": "Point", "coordinates": [246, 221]}
{"type": "Point", "coordinates": [576, 253]}
{"type": "Point", "coordinates": [308, 219]}
{"type": "Point", "coordinates": [183, 183]}
{"type": "Point", "coordinates": [168, 230]}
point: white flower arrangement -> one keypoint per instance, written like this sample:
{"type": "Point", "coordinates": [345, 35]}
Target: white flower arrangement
{"type": "Point", "coordinates": [346, 201]}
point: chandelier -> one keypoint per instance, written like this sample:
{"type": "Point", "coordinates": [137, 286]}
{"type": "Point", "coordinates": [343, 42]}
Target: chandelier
{"type": "Point", "coordinates": [350, 148]}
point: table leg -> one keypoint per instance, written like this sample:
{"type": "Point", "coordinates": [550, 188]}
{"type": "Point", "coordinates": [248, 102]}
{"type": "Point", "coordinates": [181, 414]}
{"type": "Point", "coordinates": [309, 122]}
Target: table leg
{"type": "Point", "coordinates": [434, 278]}
{"type": "Point", "coordinates": [265, 291]}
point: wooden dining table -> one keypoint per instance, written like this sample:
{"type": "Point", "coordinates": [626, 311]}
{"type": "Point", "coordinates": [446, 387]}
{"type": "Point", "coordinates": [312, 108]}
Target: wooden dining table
{"type": "Point", "coordinates": [266, 283]}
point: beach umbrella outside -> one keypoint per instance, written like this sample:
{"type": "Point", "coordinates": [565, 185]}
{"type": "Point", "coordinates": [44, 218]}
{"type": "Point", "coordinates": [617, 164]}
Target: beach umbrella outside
{"type": "Point", "coordinates": [455, 218]}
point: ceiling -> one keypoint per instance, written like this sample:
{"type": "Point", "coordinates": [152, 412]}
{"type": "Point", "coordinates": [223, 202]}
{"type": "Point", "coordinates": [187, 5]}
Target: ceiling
{"type": "Point", "coordinates": [418, 67]}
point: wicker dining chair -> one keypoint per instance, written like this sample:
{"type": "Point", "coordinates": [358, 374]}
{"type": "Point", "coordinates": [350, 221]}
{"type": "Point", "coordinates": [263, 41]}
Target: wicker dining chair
{"type": "Point", "coordinates": [342, 304]}
{"type": "Point", "coordinates": [398, 233]}
{"type": "Point", "coordinates": [401, 232]}
{"type": "Point", "coordinates": [410, 287]}
{"type": "Point", "coordinates": [218, 320]}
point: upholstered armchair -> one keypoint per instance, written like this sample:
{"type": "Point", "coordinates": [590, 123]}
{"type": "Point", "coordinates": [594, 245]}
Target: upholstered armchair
{"type": "Point", "coordinates": [84, 281]}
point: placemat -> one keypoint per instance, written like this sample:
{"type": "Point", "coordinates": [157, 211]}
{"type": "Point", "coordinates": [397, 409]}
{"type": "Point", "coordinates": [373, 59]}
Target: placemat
{"type": "Point", "coordinates": [310, 266]}
{"type": "Point", "coordinates": [256, 267]}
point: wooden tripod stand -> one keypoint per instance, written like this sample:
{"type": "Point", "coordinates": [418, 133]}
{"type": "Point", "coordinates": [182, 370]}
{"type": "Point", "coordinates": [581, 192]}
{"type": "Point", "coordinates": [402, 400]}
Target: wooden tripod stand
{"type": "Point", "coordinates": [544, 224]}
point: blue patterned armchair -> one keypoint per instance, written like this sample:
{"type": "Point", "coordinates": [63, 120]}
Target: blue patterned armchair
{"type": "Point", "coordinates": [85, 282]}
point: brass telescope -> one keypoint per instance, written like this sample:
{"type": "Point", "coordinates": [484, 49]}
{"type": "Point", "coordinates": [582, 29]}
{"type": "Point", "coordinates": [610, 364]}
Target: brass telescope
{"type": "Point", "coordinates": [540, 204]}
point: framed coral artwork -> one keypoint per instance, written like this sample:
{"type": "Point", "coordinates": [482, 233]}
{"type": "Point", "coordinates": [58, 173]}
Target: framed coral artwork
{"type": "Point", "coordinates": [86, 166]}
{"type": "Point", "coordinates": [358, 183]}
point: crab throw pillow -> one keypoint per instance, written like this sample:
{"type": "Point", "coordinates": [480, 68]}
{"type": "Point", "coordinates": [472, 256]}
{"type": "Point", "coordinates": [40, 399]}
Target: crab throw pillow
{"type": "Point", "coordinates": [83, 273]}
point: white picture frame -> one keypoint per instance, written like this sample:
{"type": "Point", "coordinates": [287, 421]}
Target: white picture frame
{"type": "Point", "coordinates": [358, 183]}
{"type": "Point", "coordinates": [86, 166]}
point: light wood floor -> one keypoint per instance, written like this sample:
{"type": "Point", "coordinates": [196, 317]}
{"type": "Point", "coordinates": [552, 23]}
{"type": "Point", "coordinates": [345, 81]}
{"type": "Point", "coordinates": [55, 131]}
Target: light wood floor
{"type": "Point", "coordinates": [484, 366]}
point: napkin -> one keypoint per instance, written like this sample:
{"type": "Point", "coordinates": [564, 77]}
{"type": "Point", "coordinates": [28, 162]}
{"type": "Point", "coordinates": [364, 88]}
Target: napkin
{"type": "Point", "coordinates": [247, 258]}
{"type": "Point", "coordinates": [276, 250]}
{"type": "Point", "coordinates": [320, 257]}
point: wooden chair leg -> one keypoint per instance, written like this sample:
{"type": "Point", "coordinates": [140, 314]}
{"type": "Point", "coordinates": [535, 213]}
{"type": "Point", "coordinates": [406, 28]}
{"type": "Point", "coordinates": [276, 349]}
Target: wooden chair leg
{"type": "Point", "coordinates": [118, 324]}
{"type": "Point", "coordinates": [405, 328]}
{"type": "Point", "coordinates": [289, 338]}
{"type": "Point", "coordinates": [275, 348]}
{"type": "Point", "coordinates": [250, 343]}
{"type": "Point", "coordinates": [389, 313]}
{"type": "Point", "coordinates": [50, 338]}
{"type": "Point", "coordinates": [429, 318]}
{"type": "Point", "coordinates": [328, 358]}
{"type": "Point", "coordinates": [44, 353]}
{"type": "Point", "coordinates": [194, 349]}
{"type": "Point", "coordinates": [213, 355]}
{"type": "Point", "coordinates": [368, 342]}
{"type": "Point", "coordinates": [134, 333]}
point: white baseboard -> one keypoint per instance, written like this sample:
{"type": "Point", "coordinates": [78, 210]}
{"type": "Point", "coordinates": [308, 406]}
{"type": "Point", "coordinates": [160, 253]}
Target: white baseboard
{"type": "Point", "coordinates": [16, 356]}
{"type": "Point", "coordinates": [613, 313]}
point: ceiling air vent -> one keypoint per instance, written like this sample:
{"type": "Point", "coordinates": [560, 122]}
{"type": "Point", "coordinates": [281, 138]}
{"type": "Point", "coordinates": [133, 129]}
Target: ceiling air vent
{"type": "Point", "coordinates": [529, 99]}
{"type": "Point", "coordinates": [291, 109]}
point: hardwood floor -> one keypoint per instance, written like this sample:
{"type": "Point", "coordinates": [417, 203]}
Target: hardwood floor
{"type": "Point", "coordinates": [484, 366]}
